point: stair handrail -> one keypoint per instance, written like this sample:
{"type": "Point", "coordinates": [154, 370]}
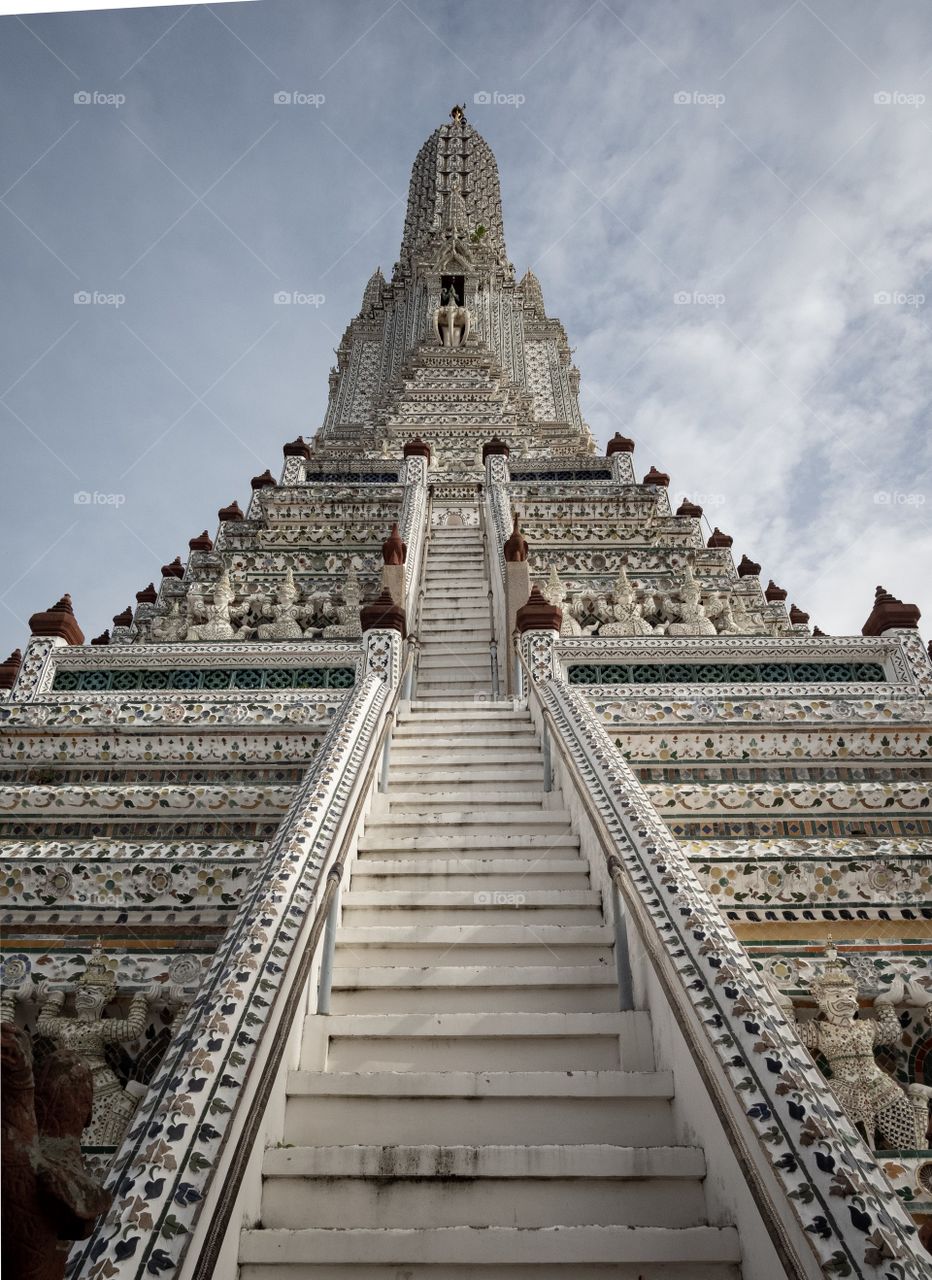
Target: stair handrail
{"type": "Point", "coordinates": [324, 913]}
{"type": "Point", "coordinates": [487, 561]}
{"type": "Point", "coordinates": [173, 1215]}
{"type": "Point", "coordinates": [797, 1174]}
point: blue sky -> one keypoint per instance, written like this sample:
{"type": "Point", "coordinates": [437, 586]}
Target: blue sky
{"type": "Point", "coordinates": [729, 205]}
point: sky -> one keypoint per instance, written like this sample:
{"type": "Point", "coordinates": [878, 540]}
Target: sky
{"type": "Point", "coordinates": [728, 204]}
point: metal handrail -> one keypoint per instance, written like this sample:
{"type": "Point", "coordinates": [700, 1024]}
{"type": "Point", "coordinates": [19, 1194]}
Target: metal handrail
{"type": "Point", "coordinates": [258, 1104]}
{"type": "Point", "coordinates": [487, 560]}
{"type": "Point", "coordinates": [672, 988]}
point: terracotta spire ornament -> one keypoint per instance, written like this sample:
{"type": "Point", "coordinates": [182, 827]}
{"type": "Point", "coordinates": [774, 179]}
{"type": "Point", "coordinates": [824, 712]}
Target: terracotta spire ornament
{"type": "Point", "coordinates": [382, 614]}
{"type": "Point", "coordinates": [658, 478]}
{"type": "Point", "coordinates": [58, 621]}
{"type": "Point", "coordinates": [889, 613]}
{"type": "Point", "coordinates": [230, 513]}
{"type": "Point", "coordinates": [297, 449]}
{"type": "Point", "coordinates": [515, 548]}
{"type": "Point", "coordinates": [265, 481]}
{"type": "Point", "coordinates": [394, 550]}
{"type": "Point", "coordinates": [417, 448]}
{"type": "Point", "coordinates": [9, 670]}
{"type": "Point", "coordinates": [538, 614]}
{"type": "Point", "coordinates": [619, 444]}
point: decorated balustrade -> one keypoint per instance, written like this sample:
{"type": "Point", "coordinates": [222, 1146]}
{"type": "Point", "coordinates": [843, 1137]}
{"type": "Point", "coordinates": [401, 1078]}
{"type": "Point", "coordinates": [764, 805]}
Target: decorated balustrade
{"type": "Point", "coordinates": [828, 1208]}
{"type": "Point", "coordinates": [187, 1170]}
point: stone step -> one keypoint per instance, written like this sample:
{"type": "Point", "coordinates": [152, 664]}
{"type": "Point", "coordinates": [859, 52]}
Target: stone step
{"type": "Point", "coordinates": [371, 872]}
{"type": "Point", "coordinates": [474, 989]}
{"type": "Point", "coordinates": [443, 663]}
{"type": "Point", "coordinates": [481, 945]}
{"type": "Point", "coordinates": [478, 1041]}
{"type": "Point", "coordinates": [511, 844]}
{"type": "Point", "coordinates": [485, 731]}
{"type": "Point", "coordinates": [411, 821]}
{"type": "Point", "coordinates": [473, 783]}
{"type": "Point", "coordinates": [523, 905]}
{"type": "Point", "coordinates": [463, 756]}
{"type": "Point", "coordinates": [509, 791]}
{"type": "Point", "coordinates": [528, 1186]}
{"type": "Point", "coordinates": [538, 1106]}
{"type": "Point", "coordinates": [577, 1252]}
{"type": "Point", "coordinates": [502, 706]}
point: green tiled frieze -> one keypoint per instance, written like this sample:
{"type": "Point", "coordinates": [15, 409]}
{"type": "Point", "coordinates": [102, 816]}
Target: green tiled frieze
{"type": "Point", "coordinates": [104, 680]}
{"type": "Point", "coordinates": [725, 673]}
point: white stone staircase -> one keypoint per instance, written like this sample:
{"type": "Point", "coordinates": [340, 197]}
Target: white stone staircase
{"type": "Point", "coordinates": [474, 1105]}
{"type": "Point", "coordinates": [453, 627]}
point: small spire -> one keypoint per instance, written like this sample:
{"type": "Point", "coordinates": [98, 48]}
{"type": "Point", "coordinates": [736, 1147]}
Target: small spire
{"type": "Point", "coordinates": [890, 614]}
{"type": "Point", "coordinates": [58, 621]}
{"type": "Point", "coordinates": [515, 549]}
{"type": "Point", "coordinates": [9, 670]}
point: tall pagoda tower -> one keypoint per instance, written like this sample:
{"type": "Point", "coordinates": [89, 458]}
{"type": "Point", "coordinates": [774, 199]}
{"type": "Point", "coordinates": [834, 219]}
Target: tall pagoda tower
{"type": "Point", "coordinates": [461, 865]}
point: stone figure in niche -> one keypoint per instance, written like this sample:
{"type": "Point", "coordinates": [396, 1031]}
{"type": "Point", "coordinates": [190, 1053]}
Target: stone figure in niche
{"type": "Point", "coordinates": [170, 627]}
{"type": "Point", "coordinates": [452, 321]}
{"type": "Point", "coordinates": [748, 621]}
{"type": "Point", "coordinates": [555, 593]}
{"type": "Point", "coordinates": [627, 617]}
{"type": "Point", "coordinates": [218, 613]}
{"type": "Point", "coordinates": [686, 616]}
{"type": "Point", "coordinates": [873, 1100]}
{"type": "Point", "coordinates": [283, 612]}
{"type": "Point", "coordinates": [88, 1033]}
{"type": "Point", "coordinates": [49, 1197]}
{"type": "Point", "coordinates": [348, 626]}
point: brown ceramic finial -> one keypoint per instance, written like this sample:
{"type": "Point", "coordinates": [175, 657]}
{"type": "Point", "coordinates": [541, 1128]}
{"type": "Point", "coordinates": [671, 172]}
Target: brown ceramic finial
{"type": "Point", "coordinates": [124, 619]}
{"type": "Point", "coordinates": [148, 595]}
{"type": "Point", "coordinates": [203, 542]}
{"type": "Point", "coordinates": [619, 444]}
{"type": "Point", "coordinates": [173, 570]}
{"type": "Point", "coordinates": [747, 568]}
{"type": "Point", "coordinates": [495, 448]}
{"type": "Point", "coordinates": [265, 481]}
{"type": "Point", "coordinates": [9, 670]}
{"type": "Point", "coordinates": [417, 448]}
{"type": "Point", "coordinates": [59, 621]}
{"type": "Point", "coordinates": [394, 551]}
{"type": "Point", "coordinates": [103, 638]}
{"type": "Point", "coordinates": [797, 615]}
{"type": "Point", "coordinates": [774, 593]}
{"type": "Point", "coordinates": [658, 478]}
{"type": "Point", "coordinates": [232, 512]}
{"type": "Point", "coordinates": [719, 539]}
{"type": "Point", "coordinates": [515, 548]}
{"type": "Point", "coordinates": [297, 448]}
{"type": "Point", "coordinates": [817, 631]}
{"type": "Point", "coordinates": [538, 614]}
{"type": "Point", "coordinates": [888, 614]}
{"type": "Point", "coordinates": [687, 508]}
{"type": "Point", "coordinates": [382, 614]}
